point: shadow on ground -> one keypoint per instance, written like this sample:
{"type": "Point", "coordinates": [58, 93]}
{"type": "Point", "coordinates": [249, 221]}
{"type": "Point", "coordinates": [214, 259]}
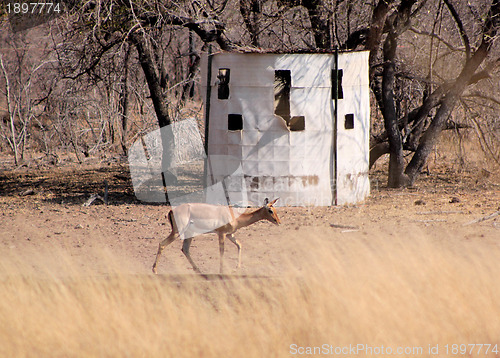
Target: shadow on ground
{"type": "Point", "coordinates": [70, 185]}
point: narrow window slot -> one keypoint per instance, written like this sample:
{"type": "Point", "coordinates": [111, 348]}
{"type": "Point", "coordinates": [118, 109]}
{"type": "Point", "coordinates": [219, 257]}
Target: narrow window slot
{"type": "Point", "coordinates": [282, 85]}
{"type": "Point", "coordinates": [223, 86]}
{"type": "Point", "coordinates": [337, 84]}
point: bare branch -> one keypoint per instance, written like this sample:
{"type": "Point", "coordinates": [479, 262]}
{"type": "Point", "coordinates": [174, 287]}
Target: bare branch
{"type": "Point", "coordinates": [481, 95]}
{"type": "Point", "coordinates": [432, 34]}
{"type": "Point", "coordinates": [96, 58]}
{"type": "Point", "coordinates": [460, 25]}
{"type": "Point", "coordinates": [10, 110]}
{"type": "Point", "coordinates": [214, 35]}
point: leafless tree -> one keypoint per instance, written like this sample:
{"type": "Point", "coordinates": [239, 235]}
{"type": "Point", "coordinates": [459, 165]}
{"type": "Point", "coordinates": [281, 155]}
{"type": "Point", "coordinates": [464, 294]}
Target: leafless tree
{"type": "Point", "coordinates": [383, 28]}
{"type": "Point", "coordinates": [23, 75]}
{"type": "Point", "coordinates": [119, 59]}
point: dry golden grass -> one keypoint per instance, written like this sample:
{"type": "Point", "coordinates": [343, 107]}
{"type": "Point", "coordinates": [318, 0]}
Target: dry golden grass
{"type": "Point", "coordinates": [378, 291]}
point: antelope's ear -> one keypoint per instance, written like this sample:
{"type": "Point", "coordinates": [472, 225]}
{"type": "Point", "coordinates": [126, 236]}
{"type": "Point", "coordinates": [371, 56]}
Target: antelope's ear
{"type": "Point", "coordinates": [272, 202]}
{"type": "Point", "coordinates": [266, 201]}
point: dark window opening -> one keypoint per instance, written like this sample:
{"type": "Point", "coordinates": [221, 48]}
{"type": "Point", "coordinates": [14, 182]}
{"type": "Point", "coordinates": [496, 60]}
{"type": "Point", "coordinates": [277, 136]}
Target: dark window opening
{"type": "Point", "coordinates": [297, 123]}
{"type": "Point", "coordinates": [234, 122]}
{"type": "Point", "coordinates": [223, 87]}
{"type": "Point", "coordinates": [282, 85]}
{"type": "Point", "coordinates": [337, 84]}
{"type": "Point", "coordinates": [349, 121]}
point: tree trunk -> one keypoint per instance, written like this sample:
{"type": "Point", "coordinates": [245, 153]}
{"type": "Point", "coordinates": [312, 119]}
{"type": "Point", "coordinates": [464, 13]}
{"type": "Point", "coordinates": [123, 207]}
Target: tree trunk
{"type": "Point", "coordinates": [250, 10]}
{"type": "Point", "coordinates": [193, 66]}
{"type": "Point", "coordinates": [396, 160]}
{"type": "Point", "coordinates": [153, 79]}
{"type": "Point", "coordinates": [374, 36]}
{"type": "Point", "coordinates": [431, 136]}
{"type": "Point", "coordinates": [320, 23]}
{"type": "Point", "coordinates": [123, 102]}
{"type": "Point", "coordinates": [377, 151]}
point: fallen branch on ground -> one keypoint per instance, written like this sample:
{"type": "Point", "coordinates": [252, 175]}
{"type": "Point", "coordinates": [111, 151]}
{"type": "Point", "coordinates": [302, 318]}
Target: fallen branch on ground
{"type": "Point", "coordinates": [340, 226]}
{"type": "Point", "coordinates": [484, 218]}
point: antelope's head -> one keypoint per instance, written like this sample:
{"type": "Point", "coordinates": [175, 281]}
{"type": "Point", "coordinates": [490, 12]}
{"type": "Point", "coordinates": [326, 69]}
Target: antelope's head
{"type": "Point", "coordinates": [270, 213]}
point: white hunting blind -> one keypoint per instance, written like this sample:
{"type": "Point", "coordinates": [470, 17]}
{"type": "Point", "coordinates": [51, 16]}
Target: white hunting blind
{"type": "Point", "coordinates": [293, 126]}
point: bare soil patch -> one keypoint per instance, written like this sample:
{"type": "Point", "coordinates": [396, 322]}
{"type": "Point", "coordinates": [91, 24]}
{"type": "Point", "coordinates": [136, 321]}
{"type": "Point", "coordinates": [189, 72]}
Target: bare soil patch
{"type": "Point", "coordinates": [42, 214]}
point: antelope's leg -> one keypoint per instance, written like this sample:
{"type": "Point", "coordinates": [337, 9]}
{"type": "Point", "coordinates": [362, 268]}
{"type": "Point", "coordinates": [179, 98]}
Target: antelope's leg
{"type": "Point", "coordinates": [221, 250]}
{"type": "Point", "coordinates": [170, 238]}
{"type": "Point", "coordinates": [185, 250]}
{"type": "Point", "coordinates": [238, 245]}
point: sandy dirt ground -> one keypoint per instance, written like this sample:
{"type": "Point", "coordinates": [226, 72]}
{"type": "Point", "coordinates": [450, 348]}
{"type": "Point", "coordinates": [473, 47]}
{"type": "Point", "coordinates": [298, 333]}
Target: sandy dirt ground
{"type": "Point", "coordinates": [42, 216]}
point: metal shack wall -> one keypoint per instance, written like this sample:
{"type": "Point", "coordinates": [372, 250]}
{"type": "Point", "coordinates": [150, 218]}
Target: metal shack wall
{"type": "Point", "coordinates": [353, 145]}
{"type": "Point", "coordinates": [265, 158]}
